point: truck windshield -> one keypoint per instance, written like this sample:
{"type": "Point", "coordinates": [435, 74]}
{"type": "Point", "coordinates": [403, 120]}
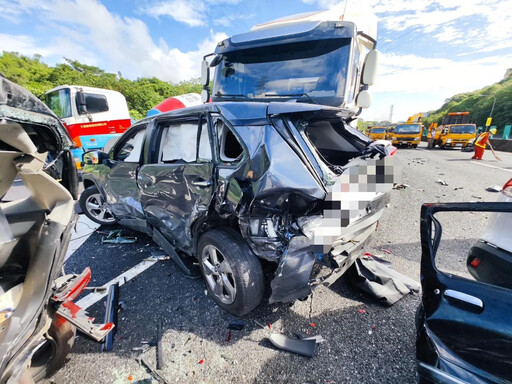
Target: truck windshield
{"type": "Point", "coordinates": [59, 102]}
{"type": "Point", "coordinates": [378, 130]}
{"type": "Point", "coordinates": [463, 129]}
{"type": "Point", "coordinates": [311, 71]}
{"type": "Point", "coordinates": [408, 128]}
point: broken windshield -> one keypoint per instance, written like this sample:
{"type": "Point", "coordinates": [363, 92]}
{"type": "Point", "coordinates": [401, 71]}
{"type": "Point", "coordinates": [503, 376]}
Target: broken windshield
{"type": "Point", "coordinates": [312, 71]}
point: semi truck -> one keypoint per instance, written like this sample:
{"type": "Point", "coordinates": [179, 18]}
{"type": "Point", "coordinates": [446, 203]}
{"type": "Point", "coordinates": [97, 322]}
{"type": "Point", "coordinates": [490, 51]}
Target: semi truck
{"type": "Point", "coordinates": [325, 58]}
{"type": "Point", "coordinates": [456, 131]}
{"type": "Point", "coordinates": [92, 116]}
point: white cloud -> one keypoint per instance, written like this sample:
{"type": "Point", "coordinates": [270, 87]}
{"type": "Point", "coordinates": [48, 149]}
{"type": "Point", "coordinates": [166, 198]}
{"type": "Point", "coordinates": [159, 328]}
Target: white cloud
{"type": "Point", "coordinates": [188, 12]}
{"type": "Point", "coordinates": [88, 32]}
{"type": "Point", "coordinates": [416, 84]}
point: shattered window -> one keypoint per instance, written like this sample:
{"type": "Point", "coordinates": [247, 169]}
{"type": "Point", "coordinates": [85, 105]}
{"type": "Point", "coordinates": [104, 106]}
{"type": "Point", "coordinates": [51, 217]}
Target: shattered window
{"type": "Point", "coordinates": [130, 150]}
{"type": "Point", "coordinates": [179, 143]}
{"type": "Point", "coordinates": [230, 149]}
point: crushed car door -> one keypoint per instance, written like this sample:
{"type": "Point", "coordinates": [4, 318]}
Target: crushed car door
{"type": "Point", "coordinates": [176, 185]}
{"type": "Point", "coordinates": [464, 326]}
{"type": "Point", "coordinates": [120, 184]}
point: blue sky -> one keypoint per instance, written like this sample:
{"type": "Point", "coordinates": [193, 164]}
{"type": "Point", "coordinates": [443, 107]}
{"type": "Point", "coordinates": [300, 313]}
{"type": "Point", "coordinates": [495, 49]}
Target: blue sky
{"type": "Point", "coordinates": [430, 50]}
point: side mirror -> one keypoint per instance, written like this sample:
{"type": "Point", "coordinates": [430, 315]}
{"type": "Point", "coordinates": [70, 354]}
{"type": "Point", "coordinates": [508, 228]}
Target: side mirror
{"type": "Point", "coordinates": [371, 62]}
{"type": "Point", "coordinates": [364, 99]}
{"type": "Point", "coordinates": [91, 157]}
{"type": "Point", "coordinates": [205, 73]}
{"type": "Point", "coordinates": [81, 104]}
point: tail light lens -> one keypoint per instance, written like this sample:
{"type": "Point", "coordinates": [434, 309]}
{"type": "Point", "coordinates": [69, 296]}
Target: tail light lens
{"type": "Point", "coordinates": [507, 188]}
{"type": "Point", "coordinates": [475, 262]}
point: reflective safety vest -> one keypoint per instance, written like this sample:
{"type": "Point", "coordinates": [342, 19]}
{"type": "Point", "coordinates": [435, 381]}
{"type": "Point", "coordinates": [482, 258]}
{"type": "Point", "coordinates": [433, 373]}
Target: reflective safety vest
{"type": "Point", "coordinates": [481, 140]}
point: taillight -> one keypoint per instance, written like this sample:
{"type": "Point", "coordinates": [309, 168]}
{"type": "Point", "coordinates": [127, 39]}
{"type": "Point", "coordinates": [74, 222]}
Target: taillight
{"type": "Point", "coordinates": [475, 262]}
{"type": "Point", "coordinates": [507, 188]}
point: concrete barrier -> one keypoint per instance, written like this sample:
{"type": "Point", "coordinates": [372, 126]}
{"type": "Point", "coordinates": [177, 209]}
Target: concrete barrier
{"type": "Point", "coordinates": [501, 145]}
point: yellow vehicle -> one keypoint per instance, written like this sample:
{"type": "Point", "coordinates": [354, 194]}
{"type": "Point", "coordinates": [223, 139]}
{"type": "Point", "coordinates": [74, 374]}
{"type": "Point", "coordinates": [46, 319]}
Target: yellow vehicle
{"type": "Point", "coordinates": [407, 134]}
{"type": "Point", "coordinates": [456, 131]}
{"type": "Point", "coordinates": [377, 133]}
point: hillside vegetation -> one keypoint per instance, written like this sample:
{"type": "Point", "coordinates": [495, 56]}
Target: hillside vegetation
{"type": "Point", "coordinates": [479, 104]}
{"type": "Point", "coordinates": [141, 94]}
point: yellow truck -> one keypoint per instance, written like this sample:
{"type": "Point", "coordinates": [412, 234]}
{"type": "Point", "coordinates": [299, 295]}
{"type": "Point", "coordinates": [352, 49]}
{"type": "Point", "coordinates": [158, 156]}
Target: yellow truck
{"type": "Point", "coordinates": [377, 133]}
{"type": "Point", "coordinates": [407, 134]}
{"type": "Point", "coordinates": [456, 131]}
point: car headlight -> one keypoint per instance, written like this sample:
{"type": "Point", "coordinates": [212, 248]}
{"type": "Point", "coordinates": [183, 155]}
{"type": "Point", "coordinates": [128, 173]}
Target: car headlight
{"type": "Point", "coordinates": [416, 138]}
{"type": "Point", "coordinates": [448, 140]}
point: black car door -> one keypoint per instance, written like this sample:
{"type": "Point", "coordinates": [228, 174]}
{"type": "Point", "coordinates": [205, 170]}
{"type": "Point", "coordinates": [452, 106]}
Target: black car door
{"type": "Point", "coordinates": [465, 326]}
{"type": "Point", "coordinates": [120, 183]}
{"type": "Point", "coordinates": [177, 184]}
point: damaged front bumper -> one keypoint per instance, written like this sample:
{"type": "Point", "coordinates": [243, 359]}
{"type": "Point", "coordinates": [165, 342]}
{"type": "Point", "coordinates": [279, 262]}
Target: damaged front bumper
{"type": "Point", "coordinates": [323, 253]}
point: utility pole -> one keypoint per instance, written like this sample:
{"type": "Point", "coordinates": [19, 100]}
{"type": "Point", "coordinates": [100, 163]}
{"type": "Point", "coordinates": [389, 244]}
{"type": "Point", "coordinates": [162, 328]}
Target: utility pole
{"type": "Point", "coordinates": [391, 114]}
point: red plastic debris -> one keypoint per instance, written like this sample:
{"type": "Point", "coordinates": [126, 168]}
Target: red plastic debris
{"type": "Point", "coordinates": [195, 299]}
{"type": "Point", "coordinates": [374, 327]}
{"type": "Point", "coordinates": [201, 361]}
{"type": "Point", "coordinates": [73, 308]}
{"type": "Point", "coordinates": [229, 337]}
{"type": "Point", "coordinates": [130, 378]}
{"type": "Point", "coordinates": [312, 324]}
{"type": "Point", "coordinates": [361, 311]}
{"type": "Point", "coordinates": [269, 326]}
{"type": "Point", "coordinates": [386, 251]}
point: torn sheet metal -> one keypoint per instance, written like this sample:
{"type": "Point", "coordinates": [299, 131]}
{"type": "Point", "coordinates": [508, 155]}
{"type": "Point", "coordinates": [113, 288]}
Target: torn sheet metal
{"type": "Point", "coordinates": [378, 279]}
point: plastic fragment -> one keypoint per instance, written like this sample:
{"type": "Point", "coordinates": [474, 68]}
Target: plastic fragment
{"type": "Point", "coordinates": [312, 324]}
{"type": "Point", "coordinates": [361, 311]}
{"type": "Point", "coordinates": [260, 324]}
{"type": "Point", "coordinates": [442, 182]}
{"type": "Point", "coordinates": [386, 251]}
{"type": "Point", "coordinates": [201, 361]}
{"type": "Point", "coordinates": [374, 327]}
{"type": "Point", "coordinates": [114, 237]}
{"type": "Point", "coordinates": [229, 337]}
{"type": "Point", "coordinates": [269, 326]}
{"type": "Point", "coordinates": [130, 378]}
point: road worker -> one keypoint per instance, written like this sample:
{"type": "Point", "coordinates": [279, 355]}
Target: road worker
{"type": "Point", "coordinates": [481, 142]}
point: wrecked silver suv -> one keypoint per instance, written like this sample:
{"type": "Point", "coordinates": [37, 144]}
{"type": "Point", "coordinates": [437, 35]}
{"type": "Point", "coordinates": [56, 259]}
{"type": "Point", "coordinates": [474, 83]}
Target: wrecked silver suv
{"type": "Point", "coordinates": [231, 183]}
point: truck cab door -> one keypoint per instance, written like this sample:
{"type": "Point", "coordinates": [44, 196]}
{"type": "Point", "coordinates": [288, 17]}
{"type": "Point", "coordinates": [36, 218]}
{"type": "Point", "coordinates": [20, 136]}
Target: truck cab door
{"type": "Point", "coordinates": [120, 187]}
{"type": "Point", "coordinates": [465, 326]}
{"type": "Point", "coordinates": [177, 184]}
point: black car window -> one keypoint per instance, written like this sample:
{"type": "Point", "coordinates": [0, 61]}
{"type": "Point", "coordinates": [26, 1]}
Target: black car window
{"type": "Point", "coordinates": [179, 142]}
{"type": "Point", "coordinates": [130, 148]}
{"type": "Point", "coordinates": [230, 149]}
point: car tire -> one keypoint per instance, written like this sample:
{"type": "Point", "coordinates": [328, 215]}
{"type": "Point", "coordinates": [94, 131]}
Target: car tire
{"type": "Point", "coordinates": [52, 354]}
{"type": "Point", "coordinates": [233, 274]}
{"type": "Point", "coordinates": [415, 146]}
{"type": "Point", "coordinates": [93, 206]}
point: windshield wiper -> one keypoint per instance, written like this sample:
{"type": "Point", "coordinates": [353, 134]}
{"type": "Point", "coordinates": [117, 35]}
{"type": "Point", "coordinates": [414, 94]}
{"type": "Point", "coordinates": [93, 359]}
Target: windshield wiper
{"type": "Point", "coordinates": [231, 96]}
{"type": "Point", "coordinates": [297, 95]}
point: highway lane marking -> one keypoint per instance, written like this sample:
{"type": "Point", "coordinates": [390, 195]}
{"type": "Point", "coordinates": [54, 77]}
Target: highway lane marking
{"type": "Point", "coordinates": [491, 166]}
{"type": "Point", "coordinates": [93, 298]}
{"type": "Point", "coordinates": [85, 227]}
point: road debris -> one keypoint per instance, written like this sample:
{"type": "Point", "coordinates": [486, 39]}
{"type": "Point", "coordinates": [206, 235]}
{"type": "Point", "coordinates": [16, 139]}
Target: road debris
{"type": "Point", "coordinates": [382, 282]}
{"type": "Point", "coordinates": [159, 354]}
{"type": "Point", "coordinates": [442, 182]}
{"type": "Point", "coordinates": [229, 337]}
{"type": "Point", "coordinates": [304, 336]}
{"type": "Point", "coordinates": [236, 325]}
{"type": "Point", "coordinates": [260, 324]}
{"type": "Point", "coordinates": [153, 371]}
{"type": "Point", "coordinates": [362, 311]}
{"type": "Point", "coordinates": [476, 196]}
{"type": "Point", "coordinates": [400, 186]}
{"type": "Point", "coordinates": [495, 188]}
{"type": "Point", "coordinates": [157, 258]}
{"type": "Point", "coordinates": [457, 188]}
{"type": "Point", "coordinates": [114, 237]}
{"type": "Point", "coordinates": [301, 347]}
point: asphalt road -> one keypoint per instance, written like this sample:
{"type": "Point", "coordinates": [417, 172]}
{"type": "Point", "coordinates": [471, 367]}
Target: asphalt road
{"type": "Point", "coordinates": [376, 345]}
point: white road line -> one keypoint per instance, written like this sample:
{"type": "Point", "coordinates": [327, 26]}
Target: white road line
{"type": "Point", "coordinates": [492, 166]}
{"type": "Point", "coordinates": [93, 298]}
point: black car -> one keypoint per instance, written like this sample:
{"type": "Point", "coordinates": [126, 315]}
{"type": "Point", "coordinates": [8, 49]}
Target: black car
{"type": "Point", "coordinates": [231, 183]}
{"type": "Point", "coordinates": [464, 325]}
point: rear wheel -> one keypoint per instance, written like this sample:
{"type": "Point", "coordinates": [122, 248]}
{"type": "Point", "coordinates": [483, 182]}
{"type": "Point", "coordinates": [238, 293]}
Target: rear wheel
{"type": "Point", "coordinates": [233, 274]}
{"type": "Point", "coordinates": [53, 352]}
{"type": "Point", "coordinates": [95, 208]}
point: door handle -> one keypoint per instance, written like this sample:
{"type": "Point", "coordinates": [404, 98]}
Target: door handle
{"type": "Point", "coordinates": [202, 183]}
{"type": "Point", "coordinates": [464, 297]}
